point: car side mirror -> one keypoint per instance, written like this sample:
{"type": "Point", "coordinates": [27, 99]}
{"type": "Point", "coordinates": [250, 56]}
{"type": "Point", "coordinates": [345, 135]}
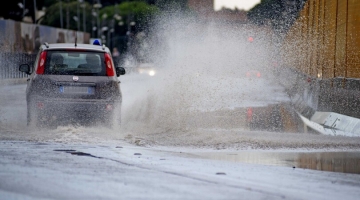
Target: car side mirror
{"type": "Point", "coordinates": [25, 68]}
{"type": "Point", "coordinates": [119, 71]}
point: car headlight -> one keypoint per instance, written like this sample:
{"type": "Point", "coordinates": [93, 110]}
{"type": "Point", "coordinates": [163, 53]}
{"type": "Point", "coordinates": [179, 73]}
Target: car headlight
{"type": "Point", "coordinates": [151, 72]}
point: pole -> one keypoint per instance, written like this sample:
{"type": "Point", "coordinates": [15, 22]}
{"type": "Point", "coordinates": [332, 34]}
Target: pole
{"type": "Point", "coordinates": [108, 36]}
{"type": "Point", "coordinates": [78, 16]}
{"type": "Point", "coordinates": [98, 21]}
{"type": "Point", "coordinates": [93, 21]}
{"type": "Point", "coordinates": [115, 17]}
{"type": "Point", "coordinates": [23, 8]}
{"type": "Point", "coordinates": [35, 10]}
{"type": "Point", "coordinates": [67, 15]}
{"type": "Point", "coordinates": [61, 15]}
{"type": "Point", "coordinates": [84, 18]}
{"type": "Point", "coordinates": [92, 27]}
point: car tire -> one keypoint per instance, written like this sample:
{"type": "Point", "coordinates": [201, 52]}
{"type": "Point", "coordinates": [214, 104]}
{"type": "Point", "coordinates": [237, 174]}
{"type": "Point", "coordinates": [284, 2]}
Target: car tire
{"type": "Point", "coordinates": [32, 118]}
{"type": "Point", "coordinates": [116, 118]}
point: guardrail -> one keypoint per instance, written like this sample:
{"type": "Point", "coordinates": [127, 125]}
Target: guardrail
{"type": "Point", "coordinates": [9, 64]}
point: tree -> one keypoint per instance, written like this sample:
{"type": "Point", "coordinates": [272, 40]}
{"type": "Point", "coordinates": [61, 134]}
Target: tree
{"type": "Point", "coordinates": [53, 14]}
{"type": "Point", "coordinates": [276, 13]}
{"type": "Point", "coordinates": [13, 10]}
{"type": "Point", "coordinates": [138, 12]}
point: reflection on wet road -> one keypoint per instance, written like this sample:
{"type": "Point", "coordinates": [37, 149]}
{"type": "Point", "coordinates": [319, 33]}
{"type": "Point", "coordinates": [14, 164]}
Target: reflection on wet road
{"type": "Point", "coordinates": [346, 162]}
{"type": "Point", "coordinates": [282, 118]}
{"type": "Point", "coordinates": [275, 117]}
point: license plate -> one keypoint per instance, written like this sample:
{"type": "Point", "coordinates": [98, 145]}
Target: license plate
{"type": "Point", "coordinates": [76, 90]}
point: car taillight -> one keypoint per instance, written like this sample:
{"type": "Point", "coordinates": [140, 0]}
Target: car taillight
{"type": "Point", "coordinates": [258, 74]}
{"type": "Point", "coordinates": [109, 65]}
{"type": "Point", "coordinates": [41, 63]}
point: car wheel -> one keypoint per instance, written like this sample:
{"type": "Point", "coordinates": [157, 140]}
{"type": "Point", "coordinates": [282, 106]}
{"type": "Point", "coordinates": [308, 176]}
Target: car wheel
{"type": "Point", "coordinates": [116, 115]}
{"type": "Point", "coordinates": [32, 118]}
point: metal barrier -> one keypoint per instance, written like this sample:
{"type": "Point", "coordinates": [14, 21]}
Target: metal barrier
{"type": "Point", "coordinates": [9, 64]}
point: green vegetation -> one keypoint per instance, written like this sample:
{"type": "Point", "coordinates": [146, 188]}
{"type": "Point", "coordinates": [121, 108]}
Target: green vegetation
{"type": "Point", "coordinates": [279, 14]}
{"type": "Point", "coordinates": [118, 16]}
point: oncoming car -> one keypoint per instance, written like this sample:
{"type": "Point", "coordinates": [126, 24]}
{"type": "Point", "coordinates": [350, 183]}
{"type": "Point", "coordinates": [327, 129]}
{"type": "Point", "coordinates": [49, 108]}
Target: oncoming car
{"type": "Point", "coordinates": [146, 69]}
{"type": "Point", "coordinates": [73, 83]}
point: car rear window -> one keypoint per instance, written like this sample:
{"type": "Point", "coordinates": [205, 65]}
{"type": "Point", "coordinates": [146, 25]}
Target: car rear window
{"type": "Point", "coordinates": [80, 63]}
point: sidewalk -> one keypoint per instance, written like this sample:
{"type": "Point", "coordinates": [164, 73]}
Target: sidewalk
{"type": "Point", "coordinates": [12, 81]}
{"type": "Point", "coordinates": [306, 96]}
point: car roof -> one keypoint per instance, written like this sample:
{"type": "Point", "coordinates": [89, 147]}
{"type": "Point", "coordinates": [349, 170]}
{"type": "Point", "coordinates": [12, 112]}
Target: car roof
{"type": "Point", "coordinates": [72, 46]}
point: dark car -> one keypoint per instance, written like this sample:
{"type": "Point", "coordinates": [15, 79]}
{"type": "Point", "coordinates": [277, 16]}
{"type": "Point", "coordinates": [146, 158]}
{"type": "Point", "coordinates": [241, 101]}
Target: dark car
{"type": "Point", "coordinates": [73, 83]}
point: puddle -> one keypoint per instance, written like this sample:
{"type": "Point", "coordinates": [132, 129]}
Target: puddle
{"type": "Point", "coordinates": [282, 118]}
{"type": "Point", "coordinates": [345, 162]}
{"type": "Point", "coordinates": [275, 117]}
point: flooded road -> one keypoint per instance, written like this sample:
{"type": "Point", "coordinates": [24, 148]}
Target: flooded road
{"type": "Point", "coordinates": [345, 162]}
{"type": "Point", "coordinates": [116, 169]}
{"type": "Point", "coordinates": [282, 118]}
{"type": "Point", "coordinates": [265, 129]}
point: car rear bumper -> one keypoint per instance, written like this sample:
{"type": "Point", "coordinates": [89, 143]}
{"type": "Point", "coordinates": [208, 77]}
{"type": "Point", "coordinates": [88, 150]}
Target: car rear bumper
{"type": "Point", "coordinates": [73, 110]}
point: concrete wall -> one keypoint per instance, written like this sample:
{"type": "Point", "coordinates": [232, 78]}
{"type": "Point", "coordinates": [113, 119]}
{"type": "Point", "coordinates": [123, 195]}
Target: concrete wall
{"type": "Point", "coordinates": [325, 41]}
{"type": "Point", "coordinates": [19, 43]}
{"type": "Point", "coordinates": [322, 52]}
{"type": "Point", "coordinates": [26, 38]}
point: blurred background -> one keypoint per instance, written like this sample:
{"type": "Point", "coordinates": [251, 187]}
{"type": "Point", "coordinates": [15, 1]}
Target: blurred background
{"type": "Point", "coordinates": [122, 23]}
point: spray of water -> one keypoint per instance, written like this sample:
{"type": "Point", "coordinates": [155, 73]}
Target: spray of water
{"type": "Point", "coordinates": [197, 97]}
{"type": "Point", "coordinates": [201, 89]}
{"type": "Point", "coordinates": [202, 68]}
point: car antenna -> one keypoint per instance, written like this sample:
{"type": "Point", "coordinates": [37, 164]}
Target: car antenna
{"type": "Point", "coordinates": [46, 44]}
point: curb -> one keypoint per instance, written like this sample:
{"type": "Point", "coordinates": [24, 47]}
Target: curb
{"type": "Point", "coordinates": [13, 81]}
